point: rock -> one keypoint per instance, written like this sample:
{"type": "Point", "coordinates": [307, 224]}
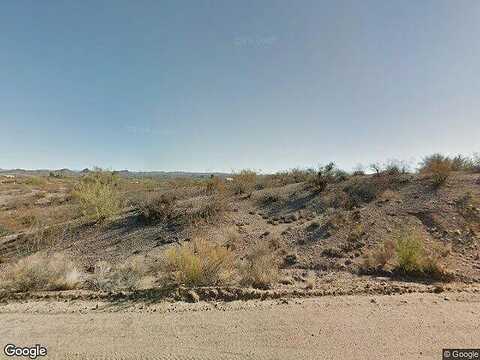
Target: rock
{"type": "Point", "coordinates": [192, 296]}
{"type": "Point", "coordinates": [457, 232]}
{"type": "Point", "coordinates": [438, 289]}
{"type": "Point", "coordinates": [290, 259]}
{"type": "Point", "coordinates": [266, 233]}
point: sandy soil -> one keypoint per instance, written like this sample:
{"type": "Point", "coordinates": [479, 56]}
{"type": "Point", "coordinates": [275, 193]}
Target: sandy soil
{"type": "Point", "coordinates": [413, 326]}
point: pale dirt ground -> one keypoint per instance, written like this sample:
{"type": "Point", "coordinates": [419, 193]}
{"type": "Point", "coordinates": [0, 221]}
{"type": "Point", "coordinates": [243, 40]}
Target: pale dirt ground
{"type": "Point", "coordinates": [413, 326]}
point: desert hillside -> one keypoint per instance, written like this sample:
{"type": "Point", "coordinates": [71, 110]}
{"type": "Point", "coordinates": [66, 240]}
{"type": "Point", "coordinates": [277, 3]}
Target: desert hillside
{"type": "Point", "coordinates": [303, 231]}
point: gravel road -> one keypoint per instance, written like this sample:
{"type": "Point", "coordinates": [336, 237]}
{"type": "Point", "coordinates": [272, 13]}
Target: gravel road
{"type": "Point", "coordinates": [414, 326]}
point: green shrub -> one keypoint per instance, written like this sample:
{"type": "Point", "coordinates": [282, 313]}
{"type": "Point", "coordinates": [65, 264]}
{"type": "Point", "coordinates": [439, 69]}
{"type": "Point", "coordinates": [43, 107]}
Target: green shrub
{"type": "Point", "coordinates": [4, 231]}
{"type": "Point", "coordinates": [414, 259]}
{"type": "Point", "coordinates": [410, 253]}
{"type": "Point", "coordinates": [36, 181]}
{"type": "Point", "coordinates": [98, 195]}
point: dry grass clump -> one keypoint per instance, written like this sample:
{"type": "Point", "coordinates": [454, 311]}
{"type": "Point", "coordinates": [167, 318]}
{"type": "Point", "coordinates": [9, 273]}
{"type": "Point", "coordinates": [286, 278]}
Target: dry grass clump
{"type": "Point", "coordinates": [468, 207]}
{"type": "Point", "coordinates": [157, 208]}
{"type": "Point", "coordinates": [41, 272]}
{"type": "Point", "coordinates": [214, 185]}
{"type": "Point", "coordinates": [210, 208]}
{"type": "Point", "coordinates": [260, 267]}
{"type": "Point", "coordinates": [244, 182]}
{"type": "Point", "coordinates": [136, 273]}
{"type": "Point", "coordinates": [37, 181]}
{"type": "Point", "coordinates": [4, 231]}
{"type": "Point", "coordinates": [200, 263]}
{"type": "Point", "coordinates": [310, 280]}
{"type": "Point", "coordinates": [408, 255]}
{"type": "Point", "coordinates": [380, 257]}
{"type": "Point", "coordinates": [98, 195]}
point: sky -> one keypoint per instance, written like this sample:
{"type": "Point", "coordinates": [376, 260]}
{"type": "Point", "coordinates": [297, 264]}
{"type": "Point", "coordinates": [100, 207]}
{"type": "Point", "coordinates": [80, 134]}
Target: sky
{"type": "Point", "coordinates": [226, 85]}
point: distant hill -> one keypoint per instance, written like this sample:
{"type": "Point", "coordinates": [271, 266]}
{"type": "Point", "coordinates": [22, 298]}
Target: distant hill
{"type": "Point", "coordinates": [122, 173]}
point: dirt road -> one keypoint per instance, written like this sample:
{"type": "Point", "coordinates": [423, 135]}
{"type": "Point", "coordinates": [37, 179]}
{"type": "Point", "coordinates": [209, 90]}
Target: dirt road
{"type": "Point", "coordinates": [411, 326]}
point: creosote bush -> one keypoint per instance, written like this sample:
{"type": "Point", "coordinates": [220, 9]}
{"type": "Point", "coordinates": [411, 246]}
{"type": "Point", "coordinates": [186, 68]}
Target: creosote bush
{"type": "Point", "coordinates": [328, 174]}
{"type": "Point", "coordinates": [209, 209]}
{"type": "Point", "coordinates": [244, 182]}
{"type": "Point", "coordinates": [438, 168]}
{"type": "Point", "coordinates": [157, 208]}
{"type": "Point", "coordinates": [98, 195]}
{"type": "Point", "coordinates": [40, 272]}
{"type": "Point", "coordinates": [200, 263]}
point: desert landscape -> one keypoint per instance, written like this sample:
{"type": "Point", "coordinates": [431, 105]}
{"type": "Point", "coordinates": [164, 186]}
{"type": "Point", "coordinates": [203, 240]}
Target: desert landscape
{"type": "Point", "coordinates": [106, 244]}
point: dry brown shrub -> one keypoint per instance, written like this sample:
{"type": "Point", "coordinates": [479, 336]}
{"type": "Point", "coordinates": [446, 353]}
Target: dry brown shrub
{"type": "Point", "coordinates": [135, 273]}
{"type": "Point", "coordinates": [157, 207]}
{"type": "Point", "coordinates": [208, 209]}
{"type": "Point", "coordinates": [244, 182]}
{"type": "Point", "coordinates": [41, 272]}
{"type": "Point", "coordinates": [438, 168]}
{"type": "Point", "coordinates": [200, 263]}
{"type": "Point", "coordinates": [260, 267]}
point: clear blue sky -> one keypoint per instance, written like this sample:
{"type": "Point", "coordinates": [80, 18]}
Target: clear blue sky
{"type": "Point", "coordinates": [222, 85]}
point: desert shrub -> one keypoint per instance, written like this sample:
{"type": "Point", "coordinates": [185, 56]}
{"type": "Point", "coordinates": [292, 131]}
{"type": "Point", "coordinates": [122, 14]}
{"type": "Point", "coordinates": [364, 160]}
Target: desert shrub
{"type": "Point", "coordinates": [244, 182]}
{"type": "Point", "coordinates": [132, 274]}
{"type": "Point", "coordinates": [200, 263]}
{"type": "Point", "coordinates": [214, 185]}
{"type": "Point", "coordinates": [407, 254]}
{"type": "Point", "coordinates": [356, 232]}
{"type": "Point", "coordinates": [157, 208]}
{"type": "Point", "coordinates": [361, 190]}
{"type": "Point", "coordinates": [328, 174]}
{"type": "Point", "coordinates": [267, 197]}
{"type": "Point", "coordinates": [410, 252]}
{"type": "Point", "coordinates": [36, 181]}
{"type": "Point", "coordinates": [209, 209]}
{"type": "Point", "coordinates": [98, 195]}
{"type": "Point", "coordinates": [468, 207]}
{"type": "Point", "coordinates": [396, 167]}
{"type": "Point", "coordinates": [4, 231]}
{"type": "Point", "coordinates": [287, 177]}
{"type": "Point", "coordinates": [40, 272]}
{"type": "Point", "coordinates": [379, 257]}
{"type": "Point", "coordinates": [414, 259]}
{"type": "Point", "coordinates": [437, 167]}
{"type": "Point", "coordinates": [260, 266]}
{"type": "Point", "coordinates": [310, 280]}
